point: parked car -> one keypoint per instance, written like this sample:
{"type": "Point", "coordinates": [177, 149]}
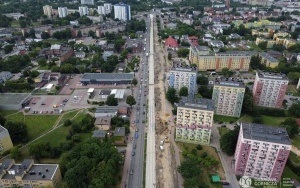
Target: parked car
{"type": "Point", "coordinates": [223, 125]}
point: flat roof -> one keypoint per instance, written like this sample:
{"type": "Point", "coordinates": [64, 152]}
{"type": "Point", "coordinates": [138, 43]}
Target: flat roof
{"type": "Point", "coordinates": [102, 120]}
{"type": "Point", "coordinates": [90, 90]}
{"type": "Point", "coordinates": [265, 133]}
{"type": "Point", "coordinates": [105, 92]}
{"type": "Point", "coordinates": [229, 82]}
{"type": "Point", "coordinates": [201, 104]}
{"type": "Point", "coordinates": [13, 98]}
{"type": "Point", "coordinates": [106, 109]}
{"type": "Point", "coordinates": [183, 68]}
{"type": "Point", "coordinates": [2, 129]}
{"type": "Point", "coordinates": [107, 76]}
{"type": "Point", "coordinates": [272, 75]}
{"type": "Point", "coordinates": [269, 57]}
{"type": "Point", "coordinates": [99, 134]}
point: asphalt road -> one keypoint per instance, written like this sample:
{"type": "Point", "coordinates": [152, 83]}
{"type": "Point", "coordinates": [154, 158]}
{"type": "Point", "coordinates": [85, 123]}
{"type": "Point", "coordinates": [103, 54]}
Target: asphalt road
{"type": "Point", "coordinates": [135, 180]}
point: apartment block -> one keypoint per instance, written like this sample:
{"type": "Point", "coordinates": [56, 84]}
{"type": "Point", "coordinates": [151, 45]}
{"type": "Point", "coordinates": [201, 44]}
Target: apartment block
{"type": "Point", "coordinates": [28, 174]}
{"type": "Point", "coordinates": [122, 12]}
{"type": "Point", "coordinates": [87, 2]}
{"type": "Point", "coordinates": [269, 89]}
{"type": "Point", "coordinates": [108, 7]}
{"type": "Point", "coordinates": [228, 96]}
{"type": "Point", "coordinates": [194, 120]}
{"type": "Point", "coordinates": [201, 56]}
{"type": "Point", "coordinates": [268, 60]}
{"type": "Point", "coordinates": [261, 151]}
{"type": "Point", "coordinates": [5, 140]}
{"type": "Point", "coordinates": [181, 76]}
{"type": "Point", "coordinates": [48, 11]}
{"type": "Point", "coordinates": [83, 11]}
{"type": "Point", "coordinates": [62, 12]}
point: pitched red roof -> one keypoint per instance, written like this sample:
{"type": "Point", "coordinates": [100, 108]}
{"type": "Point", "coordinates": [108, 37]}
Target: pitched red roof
{"type": "Point", "coordinates": [193, 40]}
{"type": "Point", "coordinates": [171, 42]}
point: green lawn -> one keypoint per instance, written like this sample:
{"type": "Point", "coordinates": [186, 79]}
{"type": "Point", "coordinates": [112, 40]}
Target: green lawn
{"type": "Point", "coordinates": [36, 124]}
{"type": "Point", "coordinates": [224, 119]}
{"type": "Point", "coordinates": [292, 89]}
{"type": "Point", "coordinates": [67, 115]}
{"type": "Point", "coordinates": [205, 173]}
{"type": "Point", "coordinates": [43, 67]}
{"type": "Point", "coordinates": [223, 130]}
{"type": "Point", "coordinates": [294, 159]}
{"type": "Point", "coordinates": [53, 41]}
{"type": "Point", "coordinates": [8, 112]}
{"type": "Point", "coordinates": [288, 173]}
{"type": "Point", "coordinates": [268, 120]}
{"type": "Point", "coordinates": [296, 141]}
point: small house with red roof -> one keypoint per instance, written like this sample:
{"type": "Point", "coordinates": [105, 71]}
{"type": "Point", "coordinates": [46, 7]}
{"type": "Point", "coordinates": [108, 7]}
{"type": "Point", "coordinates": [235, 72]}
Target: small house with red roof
{"type": "Point", "coordinates": [171, 43]}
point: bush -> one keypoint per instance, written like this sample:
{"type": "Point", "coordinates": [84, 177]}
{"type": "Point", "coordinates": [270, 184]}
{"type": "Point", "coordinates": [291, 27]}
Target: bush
{"type": "Point", "coordinates": [270, 111]}
{"type": "Point", "coordinates": [199, 147]}
{"type": "Point", "coordinates": [67, 123]}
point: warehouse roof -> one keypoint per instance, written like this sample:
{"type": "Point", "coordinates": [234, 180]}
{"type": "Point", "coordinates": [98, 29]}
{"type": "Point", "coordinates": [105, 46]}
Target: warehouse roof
{"type": "Point", "coordinates": [12, 98]}
{"type": "Point", "coordinates": [107, 76]}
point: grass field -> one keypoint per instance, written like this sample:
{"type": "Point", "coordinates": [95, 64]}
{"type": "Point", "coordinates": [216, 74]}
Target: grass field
{"type": "Point", "coordinates": [53, 41]}
{"type": "Point", "coordinates": [224, 119]}
{"type": "Point", "coordinates": [36, 124]}
{"type": "Point", "coordinates": [8, 112]}
{"type": "Point", "coordinates": [223, 130]}
{"type": "Point", "coordinates": [268, 120]}
{"type": "Point", "coordinates": [206, 174]}
{"type": "Point", "coordinates": [294, 159]}
{"type": "Point", "coordinates": [292, 89]}
{"type": "Point", "coordinates": [43, 67]}
{"type": "Point", "coordinates": [296, 141]}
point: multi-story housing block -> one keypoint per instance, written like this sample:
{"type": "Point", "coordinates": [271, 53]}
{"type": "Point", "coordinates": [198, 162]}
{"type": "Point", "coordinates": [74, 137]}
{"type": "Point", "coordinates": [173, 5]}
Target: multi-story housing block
{"type": "Point", "coordinates": [201, 56]}
{"type": "Point", "coordinates": [184, 76]}
{"type": "Point", "coordinates": [101, 10]}
{"type": "Point", "coordinates": [268, 60]}
{"type": "Point", "coordinates": [269, 89]}
{"type": "Point", "coordinates": [83, 11]}
{"type": "Point", "coordinates": [87, 2]}
{"type": "Point", "coordinates": [48, 11]}
{"type": "Point", "coordinates": [108, 7]}
{"type": "Point", "coordinates": [5, 140]}
{"type": "Point", "coordinates": [261, 151]}
{"type": "Point", "coordinates": [28, 174]}
{"type": "Point", "coordinates": [228, 96]}
{"type": "Point", "coordinates": [122, 12]}
{"type": "Point", "coordinates": [194, 120]}
{"type": "Point", "coordinates": [62, 12]}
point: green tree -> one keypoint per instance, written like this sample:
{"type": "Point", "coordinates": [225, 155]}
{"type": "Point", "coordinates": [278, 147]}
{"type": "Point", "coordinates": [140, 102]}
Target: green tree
{"type": "Point", "coordinates": [169, 56]}
{"type": "Point", "coordinates": [293, 77]}
{"type": "Point", "coordinates": [8, 48]}
{"type": "Point", "coordinates": [111, 100]}
{"type": "Point", "coordinates": [228, 141]}
{"type": "Point", "coordinates": [247, 102]}
{"type": "Point", "coordinates": [189, 168]}
{"type": "Point", "coordinates": [134, 81]}
{"type": "Point", "coordinates": [15, 153]}
{"type": "Point", "coordinates": [291, 126]}
{"type": "Point", "coordinates": [183, 52]}
{"type": "Point", "coordinates": [205, 92]}
{"type": "Point", "coordinates": [294, 110]}
{"type": "Point", "coordinates": [42, 62]}
{"type": "Point", "coordinates": [23, 23]}
{"type": "Point", "coordinates": [130, 100]}
{"type": "Point", "coordinates": [184, 91]}
{"type": "Point", "coordinates": [226, 72]}
{"type": "Point", "coordinates": [171, 95]}
{"type": "Point", "coordinates": [263, 45]}
{"type": "Point", "coordinates": [79, 34]}
{"type": "Point", "coordinates": [45, 35]}
{"type": "Point", "coordinates": [202, 80]}
{"type": "Point", "coordinates": [17, 131]}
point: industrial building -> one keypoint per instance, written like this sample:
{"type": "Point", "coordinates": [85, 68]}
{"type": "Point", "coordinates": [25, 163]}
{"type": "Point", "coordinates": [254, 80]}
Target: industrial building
{"type": "Point", "coordinates": [269, 89]}
{"type": "Point", "coordinates": [261, 151]}
{"type": "Point", "coordinates": [194, 120]}
{"type": "Point", "coordinates": [228, 95]}
{"type": "Point", "coordinates": [14, 101]}
{"type": "Point", "coordinates": [107, 78]}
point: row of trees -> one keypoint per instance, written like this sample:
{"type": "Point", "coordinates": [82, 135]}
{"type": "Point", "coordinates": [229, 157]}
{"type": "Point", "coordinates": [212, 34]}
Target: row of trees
{"type": "Point", "coordinates": [14, 63]}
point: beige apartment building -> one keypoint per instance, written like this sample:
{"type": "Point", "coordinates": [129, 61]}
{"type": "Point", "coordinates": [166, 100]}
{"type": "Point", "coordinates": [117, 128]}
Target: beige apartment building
{"type": "Point", "coordinates": [5, 140]}
{"type": "Point", "coordinates": [194, 120]}
{"type": "Point", "coordinates": [48, 11]}
{"type": "Point", "coordinates": [228, 95]}
{"type": "Point", "coordinates": [206, 61]}
{"type": "Point", "coordinates": [28, 175]}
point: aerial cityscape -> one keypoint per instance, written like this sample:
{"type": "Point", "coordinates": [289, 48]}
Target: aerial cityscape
{"type": "Point", "coordinates": [149, 94]}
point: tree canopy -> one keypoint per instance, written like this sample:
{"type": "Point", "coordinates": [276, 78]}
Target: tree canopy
{"type": "Point", "coordinates": [17, 131]}
{"type": "Point", "coordinates": [228, 141]}
{"type": "Point", "coordinates": [202, 80]}
{"type": "Point", "coordinates": [291, 126]}
{"type": "Point", "coordinates": [92, 163]}
{"type": "Point", "coordinates": [171, 95]}
{"type": "Point", "coordinates": [294, 110]}
{"type": "Point", "coordinates": [111, 100]}
{"type": "Point", "coordinates": [130, 100]}
{"type": "Point", "coordinates": [184, 91]}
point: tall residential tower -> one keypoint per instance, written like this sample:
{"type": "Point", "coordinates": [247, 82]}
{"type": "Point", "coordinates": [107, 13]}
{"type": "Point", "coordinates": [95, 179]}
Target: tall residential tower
{"type": "Point", "coordinates": [122, 12]}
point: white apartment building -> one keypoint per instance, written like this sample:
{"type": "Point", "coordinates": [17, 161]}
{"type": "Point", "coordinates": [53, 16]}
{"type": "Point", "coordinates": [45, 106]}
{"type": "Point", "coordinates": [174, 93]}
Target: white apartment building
{"type": "Point", "coordinates": [101, 10]}
{"type": "Point", "coordinates": [62, 12]}
{"type": "Point", "coordinates": [261, 151]}
{"type": "Point", "coordinates": [87, 2]}
{"type": "Point", "coordinates": [48, 11]}
{"type": "Point", "coordinates": [194, 120]}
{"type": "Point", "coordinates": [228, 95]}
{"type": "Point", "coordinates": [108, 7]}
{"type": "Point", "coordinates": [83, 11]}
{"type": "Point", "coordinates": [183, 76]}
{"type": "Point", "coordinates": [122, 12]}
{"type": "Point", "coordinates": [269, 89]}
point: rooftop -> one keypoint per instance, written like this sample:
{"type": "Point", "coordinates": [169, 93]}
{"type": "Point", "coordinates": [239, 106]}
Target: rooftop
{"type": "Point", "coordinates": [201, 48]}
{"type": "Point", "coordinates": [184, 68]}
{"type": "Point", "coordinates": [105, 92]}
{"type": "Point", "coordinates": [119, 131]}
{"type": "Point", "coordinates": [107, 76]}
{"type": "Point", "coordinates": [99, 134]}
{"type": "Point", "coordinates": [265, 133]}
{"type": "Point", "coordinates": [268, 57]}
{"type": "Point", "coordinates": [33, 171]}
{"type": "Point", "coordinates": [13, 98]}
{"type": "Point", "coordinates": [2, 129]}
{"type": "Point", "coordinates": [106, 109]}
{"type": "Point", "coordinates": [230, 82]}
{"type": "Point", "coordinates": [272, 75]}
{"type": "Point", "coordinates": [201, 104]}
